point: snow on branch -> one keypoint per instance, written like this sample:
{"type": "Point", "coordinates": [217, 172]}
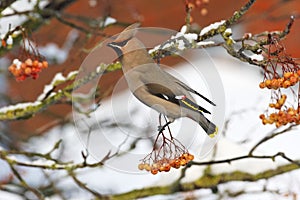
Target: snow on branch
{"type": "Point", "coordinates": [50, 97]}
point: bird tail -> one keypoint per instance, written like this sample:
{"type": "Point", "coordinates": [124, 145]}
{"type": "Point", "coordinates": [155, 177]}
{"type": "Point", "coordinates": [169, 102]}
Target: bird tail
{"type": "Point", "coordinates": [194, 111]}
{"type": "Point", "coordinates": [210, 128]}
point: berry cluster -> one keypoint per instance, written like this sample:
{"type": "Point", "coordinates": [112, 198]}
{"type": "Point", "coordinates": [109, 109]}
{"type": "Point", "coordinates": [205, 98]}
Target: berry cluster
{"type": "Point", "coordinates": [282, 117]}
{"type": "Point", "coordinates": [28, 68]}
{"type": "Point", "coordinates": [281, 72]}
{"type": "Point", "coordinates": [166, 153]}
{"type": "Point", "coordinates": [289, 79]}
{"type": "Point", "coordinates": [165, 164]}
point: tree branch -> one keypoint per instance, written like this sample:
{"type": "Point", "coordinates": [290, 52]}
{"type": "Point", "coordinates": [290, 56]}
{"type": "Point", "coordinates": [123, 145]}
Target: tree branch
{"type": "Point", "coordinates": [27, 110]}
{"type": "Point", "coordinates": [206, 181]}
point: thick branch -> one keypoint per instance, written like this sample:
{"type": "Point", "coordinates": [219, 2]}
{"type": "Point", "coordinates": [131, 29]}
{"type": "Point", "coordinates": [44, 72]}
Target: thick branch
{"type": "Point", "coordinates": [206, 181]}
{"type": "Point", "coordinates": [229, 22]}
{"type": "Point", "coordinates": [26, 110]}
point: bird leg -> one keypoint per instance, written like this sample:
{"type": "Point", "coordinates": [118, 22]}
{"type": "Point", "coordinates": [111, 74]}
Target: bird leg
{"type": "Point", "coordinates": [161, 127]}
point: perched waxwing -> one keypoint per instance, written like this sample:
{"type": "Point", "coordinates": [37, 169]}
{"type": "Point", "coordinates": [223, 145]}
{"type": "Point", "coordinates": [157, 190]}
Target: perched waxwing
{"type": "Point", "coordinates": [155, 87]}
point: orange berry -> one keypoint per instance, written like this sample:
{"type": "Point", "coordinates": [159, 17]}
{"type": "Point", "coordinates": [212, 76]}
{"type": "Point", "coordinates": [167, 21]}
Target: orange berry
{"type": "Point", "coordinates": [23, 66]}
{"type": "Point", "coordinates": [161, 168]}
{"type": "Point", "coordinates": [141, 166]}
{"type": "Point", "coordinates": [40, 65]}
{"type": "Point", "coordinates": [185, 155]}
{"type": "Point", "coordinates": [286, 84]}
{"type": "Point", "coordinates": [17, 72]}
{"type": "Point", "coordinates": [264, 121]}
{"type": "Point", "coordinates": [275, 83]}
{"type": "Point", "coordinates": [287, 75]}
{"type": "Point", "coordinates": [35, 63]}
{"type": "Point", "coordinates": [147, 167]}
{"type": "Point", "coordinates": [280, 81]}
{"type": "Point", "coordinates": [280, 113]}
{"type": "Point", "coordinates": [172, 162]}
{"type": "Point", "coordinates": [262, 116]}
{"type": "Point", "coordinates": [45, 64]}
{"type": "Point", "coordinates": [11, 67]}
{"type": "Point", "coordinates": [291, 112]}
{"type": "Point", "coordinates": [281, 101]}
{"type": "Point", "coordinates": [190, 157]}
{"type": "Point", "coordinates": [277, 106]}
{"type": "Point", "coordinates": [167, 167]}
{"type": "Point", "coordinates": [298, 72]}
{"type": "Point", "coordinates": [154, 171]}
{"type": "Point", "coordinates": [271, 105]}
{"type": "Point", "coordinates": [28, 62]}
{"type": "Point", "coordinates": [268, 83]}
{"type": "Point", "coordinates": [262, 85]}
{"type": "Point", "coordinates": [176, 164]}
{"type": "Point", "coordinates": [14, 72]}
{"type": "Point", "coordinates": [273, 117]}
{"type": "Point", "coordinates": [204, 11]}
{"type": "Point", "coordinates": [27, 71]}
{"type": "Point", "coordinates": [21, 78]}
{"type": "Point", "coordinates": [183, 162]}
{"type": "Point", "coordinates": [293, 79]}
{"type": "Point", "coordinates": [288, 116]}
{"type": "Point", "coordinates": [155, 165]}
{"type": "Point", "coordinates": [36, 70]}
{"type": "Point", "coordinates": [278, 124]}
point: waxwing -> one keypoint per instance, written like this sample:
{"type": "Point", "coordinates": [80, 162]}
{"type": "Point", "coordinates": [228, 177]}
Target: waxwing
{"type": "Point", "coordinates": [153, 86]}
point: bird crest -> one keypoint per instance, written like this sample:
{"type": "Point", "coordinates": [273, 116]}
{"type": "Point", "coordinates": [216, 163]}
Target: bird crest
{"type": "Point", "coordinates": [127, 33]}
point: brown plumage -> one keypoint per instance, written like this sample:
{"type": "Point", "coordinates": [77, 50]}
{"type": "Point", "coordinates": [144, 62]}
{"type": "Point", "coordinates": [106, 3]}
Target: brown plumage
{"type": "Point", "coordinates": [155, 87]}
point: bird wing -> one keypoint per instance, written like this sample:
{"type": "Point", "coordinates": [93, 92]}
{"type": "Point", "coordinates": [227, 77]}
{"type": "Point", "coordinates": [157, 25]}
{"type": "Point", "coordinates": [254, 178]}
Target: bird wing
{"type": "Point", "coordinates": [168, 95]}
{"type": "Point", "coordinates": [164, 86]}
{"type": "Point", "coordinates": [185, 87]}
{"type": "Point", "coordinates": [161, 81]}
{"type": "Point", "coordinates": [162, 104]}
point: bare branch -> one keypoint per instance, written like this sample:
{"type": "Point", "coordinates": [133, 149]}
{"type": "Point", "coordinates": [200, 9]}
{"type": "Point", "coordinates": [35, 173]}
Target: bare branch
{"type": "Point", "coordinates": [206, 181]}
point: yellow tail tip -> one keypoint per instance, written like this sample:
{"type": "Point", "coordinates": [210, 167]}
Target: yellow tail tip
{"type": "Point", "coordinates": [212, 135]}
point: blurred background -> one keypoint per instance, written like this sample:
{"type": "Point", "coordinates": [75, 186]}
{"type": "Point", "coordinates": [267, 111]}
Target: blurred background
{"type": "Point", "coordinates": [263, 16]}
{"type": "Point", "coordinates": [67, 41]}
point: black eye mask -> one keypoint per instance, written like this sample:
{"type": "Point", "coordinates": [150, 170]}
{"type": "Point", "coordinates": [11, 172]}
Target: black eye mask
{"type": "Point", "coordinates": [120, 44]}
